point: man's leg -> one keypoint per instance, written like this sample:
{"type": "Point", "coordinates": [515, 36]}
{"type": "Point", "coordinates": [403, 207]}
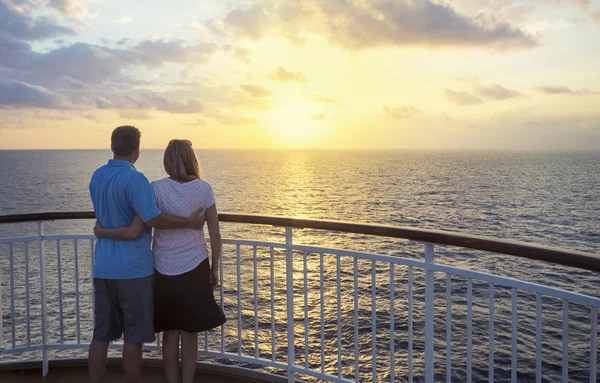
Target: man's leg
{"type": "Point", "coordinates": [97, 361]}
{"type": "Point", "coordinates": [132, 361]}
{"type": "Point", "coordinates": [137, 302]}
{"type": "Point", "coordinates": [108, 326]}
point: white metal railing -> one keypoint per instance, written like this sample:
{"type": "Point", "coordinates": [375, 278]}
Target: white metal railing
{"type": "Point", "coordinates": [256, 332]}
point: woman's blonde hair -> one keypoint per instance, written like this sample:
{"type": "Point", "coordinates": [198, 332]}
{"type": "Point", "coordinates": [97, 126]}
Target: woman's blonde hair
{"type": "Point", "coordinates": [180, 161]}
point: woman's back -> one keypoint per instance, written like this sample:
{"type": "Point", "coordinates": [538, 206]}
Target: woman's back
{"type": "Point", "coordinates": [179, 251]}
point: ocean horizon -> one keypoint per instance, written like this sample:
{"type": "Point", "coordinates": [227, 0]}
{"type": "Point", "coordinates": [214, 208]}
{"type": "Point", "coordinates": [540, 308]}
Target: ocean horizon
{"type": "Point", "coordinates": [546, 198]}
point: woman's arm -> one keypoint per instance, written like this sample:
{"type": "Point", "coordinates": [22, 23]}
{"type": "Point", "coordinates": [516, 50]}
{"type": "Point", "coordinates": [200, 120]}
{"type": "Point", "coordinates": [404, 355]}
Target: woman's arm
{"type": "Point", "coordinates": [123, 233]}
{"type": "Point", "coordinates": [212, 219]}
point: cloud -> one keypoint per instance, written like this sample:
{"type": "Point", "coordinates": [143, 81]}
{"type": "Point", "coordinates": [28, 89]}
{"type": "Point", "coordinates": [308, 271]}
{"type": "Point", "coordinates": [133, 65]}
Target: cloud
{"type": "Point", "coordinates": [357, 24]}
{"type": "Point", "coordinates": [283, 75]}
{"type": "Point", "coordinates": [21, 25]}
{"type": "Point", "coordinates": [71, 8]}
{"type": "Point", "coordinates": [318, 117]}
{"type": "Point", "coordinates": [227, 118]}
{"type": "Point", "coordinates": [401, 112]}
{"type": "Point", "coordinates": [148, 101]}
{"type": "Point", "coordinates": [544, 25]}
{"type": "Point", "coordinates": [558, 89]}
{"type": "Point", "coordinates": [19, 94]}
{"type": "Point", "coordinates": [461, 97]}
{"type": "Point", "coordinates": [319, 98]}
{"type": "Point", "coordinates": [124, 41]}
{"type": "Point", "coordinates": [497, 92]}
{"type": "Point", "coordinates": [256, 91]}
{"type": "Point", "coordinates": [480, 93]}
{"type": "Point", "coordinates": [95, 64]}
{"type": "Point", "coordinates": [252, 22]}
{"type": "Point", "coordinates": [123, 20]}
{"type": "Point", "coordinates": [198, 122]}
{"type": "Point", "coordinates": [135, 114]}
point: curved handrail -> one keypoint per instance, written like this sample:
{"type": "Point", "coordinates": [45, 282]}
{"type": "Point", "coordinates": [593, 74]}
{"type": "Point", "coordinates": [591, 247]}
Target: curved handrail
{"type": "Point", "coordinates": [579, 259]}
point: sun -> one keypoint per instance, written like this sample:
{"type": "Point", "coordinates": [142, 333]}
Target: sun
{"type": "Point", "coordinates": [294, 123]}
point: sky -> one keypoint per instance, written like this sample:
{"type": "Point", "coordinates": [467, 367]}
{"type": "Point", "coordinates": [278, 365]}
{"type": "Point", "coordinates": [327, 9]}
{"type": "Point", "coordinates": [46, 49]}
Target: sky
{"type": "Point", "coordinates": [357, 74]}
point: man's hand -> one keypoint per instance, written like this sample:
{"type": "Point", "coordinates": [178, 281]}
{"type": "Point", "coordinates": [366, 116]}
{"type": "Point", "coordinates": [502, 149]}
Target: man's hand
{"type": "Point", "coordinates": [196, 220]}
{"type": "Point", "coordinates": [214, 277]}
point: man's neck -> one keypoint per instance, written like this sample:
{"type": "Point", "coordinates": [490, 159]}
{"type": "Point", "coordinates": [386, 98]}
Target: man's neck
{"type": "Point", "coordinates": [128, 159]}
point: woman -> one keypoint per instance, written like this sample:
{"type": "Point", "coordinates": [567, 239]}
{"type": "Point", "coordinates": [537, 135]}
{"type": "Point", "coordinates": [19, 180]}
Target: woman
{"type": "Point", "coordinates": [184, 304]}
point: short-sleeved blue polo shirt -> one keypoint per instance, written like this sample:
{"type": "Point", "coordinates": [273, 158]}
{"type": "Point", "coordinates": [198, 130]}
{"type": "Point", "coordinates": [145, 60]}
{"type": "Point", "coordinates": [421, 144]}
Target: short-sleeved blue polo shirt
{"type": "Point", "coordinates": [119, 192]}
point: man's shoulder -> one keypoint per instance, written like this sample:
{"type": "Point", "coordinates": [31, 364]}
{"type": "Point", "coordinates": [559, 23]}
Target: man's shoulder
{"type": "Point", "coordinates": [126, 175]}
{"type": "Point", "coordinates": [98, 173]}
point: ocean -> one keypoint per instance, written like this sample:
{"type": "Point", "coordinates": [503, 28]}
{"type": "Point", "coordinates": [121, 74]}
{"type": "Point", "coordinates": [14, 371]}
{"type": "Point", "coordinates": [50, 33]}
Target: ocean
{"type": "Point", "coordinates": [544, 198]}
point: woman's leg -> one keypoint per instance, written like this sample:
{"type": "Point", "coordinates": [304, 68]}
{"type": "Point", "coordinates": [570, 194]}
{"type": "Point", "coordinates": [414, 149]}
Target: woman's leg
{"type": "Point", "coordinates": [170, 354]}
{"type": "Point", "coordinates": [189, 355]}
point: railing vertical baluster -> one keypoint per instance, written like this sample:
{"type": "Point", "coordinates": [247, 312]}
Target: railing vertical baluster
{"type": "Point", "coordinates": [221, 293]}
{"type": "Point", "coordinates": [429, 311]}
{"type": "Point", "coordinates": [565, 342]}
{"type": "Point", "coordinates": [206, 340]}
{"type": "Point", "coordinates": [304, 261]}
{"type": "Point", "coordinates": [43, 298]}
{"type": "Point", "coordinates": [339, 315]}
{"type": "Point", "coordinates": [513, 372]}
{"type": "Point", "coordinates": [322, 315]}
{"type": "Point", "coordinates": [469, 330]}
{"type": "Point", "coordinates": [374, 320]}
{"type": "Point", "coordinates": [491, 335]}
{"type": "Point", "coordinates": [538, 338]}
{"type": "Point", "coordinates": [256, 352]}
{"type": "Point", "coordinates": [13, 315]}
{"type": "Point", "coordinates": [392, 325]}
{"type": "Point", "coordinates": [60, 302]}
{"type": "Point", "coordinates": [448, 328]}
{"type": "Point", "coordinates": [356, 360]}
{"type": "Point", "coordinates": [289, 279]}
{"type": "Point", "coordinates": [594, 346]}
{"type": "Point", "coordinates": [410, 324]}
{"type": "Point", "coordinates": [27, 293]}
{"type": "Point", "coordinates": [239, 299]}
{"type": "Point", "coordinates": [289, 266]}
{"type": "Point", "coordinates": [76, 256]}
{"type": "Point", "coordinates": [272, 306]}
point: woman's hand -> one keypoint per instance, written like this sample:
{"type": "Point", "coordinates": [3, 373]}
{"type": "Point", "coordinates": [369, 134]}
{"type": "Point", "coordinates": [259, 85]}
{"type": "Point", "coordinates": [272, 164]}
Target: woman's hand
{"type": "Point", "coordinates": [98, 230]}
{"type": "Point", "coordinates": [214, 277]}
{"type": "Point", "coordinates": [123, 233]}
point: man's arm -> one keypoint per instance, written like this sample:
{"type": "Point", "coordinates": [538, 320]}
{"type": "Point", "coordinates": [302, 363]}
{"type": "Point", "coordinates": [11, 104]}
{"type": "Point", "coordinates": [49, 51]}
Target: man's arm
{"type": "Point", "coordinates": [136, 228]}
{"type": "Point", "coordinates": [168, 221]}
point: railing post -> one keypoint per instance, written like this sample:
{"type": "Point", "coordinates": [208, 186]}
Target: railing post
{"type": "Point", "coordinates": [429, 301]}
{"type": "Point", "coordinates": [43, 297]}
{"type": "Point", "coordinates": [289, 276]}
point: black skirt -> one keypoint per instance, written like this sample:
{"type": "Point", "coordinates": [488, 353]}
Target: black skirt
{"type": "Point", "coordinates": [186, 302]}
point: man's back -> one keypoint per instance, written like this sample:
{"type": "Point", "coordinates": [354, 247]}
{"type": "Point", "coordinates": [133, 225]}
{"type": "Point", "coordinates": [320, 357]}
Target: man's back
{"type": "Point", "coordinates": [119, 192]}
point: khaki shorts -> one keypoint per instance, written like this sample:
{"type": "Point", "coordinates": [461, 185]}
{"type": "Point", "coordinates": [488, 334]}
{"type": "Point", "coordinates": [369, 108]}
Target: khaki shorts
{"type": "Point", "coordinates": [124, 307]}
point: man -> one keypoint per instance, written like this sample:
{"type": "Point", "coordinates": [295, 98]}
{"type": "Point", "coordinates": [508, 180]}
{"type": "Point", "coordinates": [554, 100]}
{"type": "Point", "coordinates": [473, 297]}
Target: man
{"type": "Point", "coordinates": [123, 270]}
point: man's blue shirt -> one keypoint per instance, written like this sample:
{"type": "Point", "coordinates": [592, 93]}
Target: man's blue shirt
{"type": "Point", "coordinates": [119, 192]}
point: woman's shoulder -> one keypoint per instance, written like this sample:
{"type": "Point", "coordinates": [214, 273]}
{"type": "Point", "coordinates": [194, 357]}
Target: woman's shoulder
{"type": "Point", "coordinates": [201, 183]}
{"type": "Point", "coordinates": [160, 181]}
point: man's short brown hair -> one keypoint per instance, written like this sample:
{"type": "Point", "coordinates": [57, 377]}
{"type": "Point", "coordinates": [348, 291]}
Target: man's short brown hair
{"type": "Point", "coordinates": [125, 140]}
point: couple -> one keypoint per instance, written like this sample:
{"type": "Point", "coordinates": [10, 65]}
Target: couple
{"type": "Point", "coordinates": [138, 291]}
